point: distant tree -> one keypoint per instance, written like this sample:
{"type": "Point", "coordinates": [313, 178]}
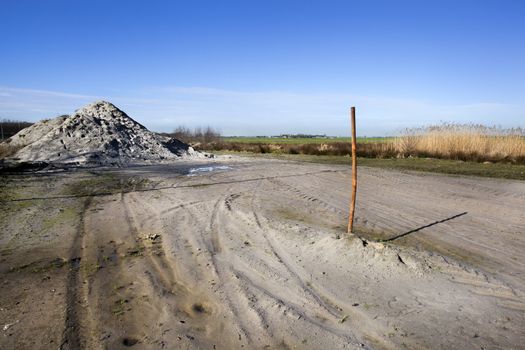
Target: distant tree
{"type": "Point", "coordinates": [211, 135]}
{"type": "Point", "coordinates": [182, 133]}
{"type": "Point", "coordinates": [197, 135]}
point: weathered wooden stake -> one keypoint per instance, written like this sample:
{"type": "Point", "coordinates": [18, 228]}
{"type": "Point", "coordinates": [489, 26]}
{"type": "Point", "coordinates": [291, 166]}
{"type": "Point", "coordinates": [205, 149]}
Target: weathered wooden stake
{"type": "Point", "coordinates": [354, 173]}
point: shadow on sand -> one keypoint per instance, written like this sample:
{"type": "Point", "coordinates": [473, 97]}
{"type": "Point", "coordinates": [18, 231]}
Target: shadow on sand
{"type": "Point", "coordinates": [423, 227]}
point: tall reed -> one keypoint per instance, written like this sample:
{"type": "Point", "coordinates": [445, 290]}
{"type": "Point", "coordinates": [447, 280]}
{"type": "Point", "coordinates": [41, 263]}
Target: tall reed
{"type": "Point", "coordinates": [473, 142]}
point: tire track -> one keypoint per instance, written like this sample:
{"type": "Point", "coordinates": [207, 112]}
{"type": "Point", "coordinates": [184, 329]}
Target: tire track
{"type": "Point", "coordinates": [326, 305]}
{"type": "Point", "coordinates": [304, 196]}
{"type": "Point", "coordinates": [155, 256]}
{"type": "Point", "coordinates": [72, 338]}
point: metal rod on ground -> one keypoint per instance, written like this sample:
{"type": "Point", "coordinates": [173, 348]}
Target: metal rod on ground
{"type": "Point", "coordinates": [354, 173]}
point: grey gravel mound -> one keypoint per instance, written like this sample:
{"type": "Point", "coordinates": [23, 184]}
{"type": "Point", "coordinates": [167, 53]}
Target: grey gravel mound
{"type": "Point", "coordinates": [98, 133]}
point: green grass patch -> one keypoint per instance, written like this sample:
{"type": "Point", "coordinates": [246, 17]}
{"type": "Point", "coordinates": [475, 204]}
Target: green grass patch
{"type": "Point", "coordinates": [105, 184]}
{"type": "Point", "coordinates": [10, 192]}
{"type": "Point", "coordinates": [62, 216]}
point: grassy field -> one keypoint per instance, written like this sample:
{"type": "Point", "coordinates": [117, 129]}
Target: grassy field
{"type": "Point", "coordinates": [301, 141]}
{"type": "Point", "coordinates": [465, 142]}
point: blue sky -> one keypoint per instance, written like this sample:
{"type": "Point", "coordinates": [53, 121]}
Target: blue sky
{"type": "Point", "coordinates": [267, 67]}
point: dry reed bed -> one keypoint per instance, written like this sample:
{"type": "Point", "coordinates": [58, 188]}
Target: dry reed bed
{"type": "Point", "coordinates": [463, 142]}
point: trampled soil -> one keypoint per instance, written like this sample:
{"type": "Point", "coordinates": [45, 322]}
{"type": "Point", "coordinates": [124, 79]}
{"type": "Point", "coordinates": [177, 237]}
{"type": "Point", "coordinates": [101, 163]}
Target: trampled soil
{"type": "Point", "coordinates": [256, 256]}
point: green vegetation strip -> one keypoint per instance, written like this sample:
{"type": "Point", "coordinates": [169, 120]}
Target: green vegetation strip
{"type": "Point", "coordinates": [303, 140]}
{"type": "Point", "coordinates": [444, 166]}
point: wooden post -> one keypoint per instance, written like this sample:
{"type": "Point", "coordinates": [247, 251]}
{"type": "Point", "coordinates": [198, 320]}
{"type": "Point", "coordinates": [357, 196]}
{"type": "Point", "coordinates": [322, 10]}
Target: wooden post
{"type": "Point", "coordinates": [354, 172]}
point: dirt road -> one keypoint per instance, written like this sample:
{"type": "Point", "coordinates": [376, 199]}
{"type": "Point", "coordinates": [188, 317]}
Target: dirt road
{"type": "Point", "coordinates": [256, 256]}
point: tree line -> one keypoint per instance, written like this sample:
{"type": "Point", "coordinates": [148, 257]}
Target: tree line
{"type": "Point", "coordinates": [10, 127]}
{"type": "Point", "coordinates": [203, 135]}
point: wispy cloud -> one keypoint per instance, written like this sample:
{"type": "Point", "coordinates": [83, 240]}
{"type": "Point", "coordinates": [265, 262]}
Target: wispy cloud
{"type": "Point", "coordinates": [261, 112]}
{"type": "Point", "coordinates": [9, 91]}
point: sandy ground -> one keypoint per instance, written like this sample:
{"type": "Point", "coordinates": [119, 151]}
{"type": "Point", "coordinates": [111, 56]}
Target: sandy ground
{"type": "Point", "coordinates": [256, 256]}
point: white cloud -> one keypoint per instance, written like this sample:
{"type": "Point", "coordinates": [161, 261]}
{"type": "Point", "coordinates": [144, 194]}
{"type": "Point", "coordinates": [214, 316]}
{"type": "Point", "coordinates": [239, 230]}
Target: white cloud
{"type": "Point", "coordinates": [13, 91]}
{"type": "Point", "coordinates": [262, 112]}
